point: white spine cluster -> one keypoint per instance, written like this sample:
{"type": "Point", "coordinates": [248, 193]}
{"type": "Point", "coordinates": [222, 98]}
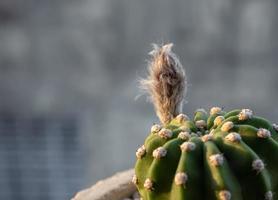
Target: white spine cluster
{"type": "Point", "coordinates": [263, 133]}
{"type": "Point", "coordinates": [141, 151]}
{"type": "Point", "coordinates": [182, 118]}
{"type": "Point", "coordinates": [159, 152]}
{"type": "Point", "coordinates": [233, 137]}
{"type": "Point", "coordinates": [218, 120]}
{"type": "Point", "coordinates": [156, 128]}
{"type": "Point", "coordinates": [227, 126]}
{"type": "Point", "coordinates": [268, 195]}
{"type": "Point", "coordinates": [181, 178]}
{"type": "Point", "coordinates": [188, 146]}
{"type": "Point", "coordinates": [207, 137]}
{"type": "Point", "coordinates": [225, 195]}
{"type": "Point", "coordinates": [185, 129]}
{"type": "Point", "coordinates": [165, 133]}
{"type": "Point", "coordinates": [134, 179]}
{"type": "Point", "coordinates": [201, 124]}
{"type": "Point", "coordinates": [258, 165]}
{"type": "Point", "coordinates": [148, 184]}
{"type": "Point", "coordinates": [184, 135]}
{"type": "Point", "coordinates": [245, 114]}
{"type": "Point", "coordinates": [216, 160]}
{"type": "Point", "coordinates": [215, 110]}
{"type": "Point", "coordinates": [275, 126]}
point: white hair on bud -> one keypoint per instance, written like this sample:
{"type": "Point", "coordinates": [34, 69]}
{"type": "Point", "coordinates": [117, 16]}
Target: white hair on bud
{"type": "Point", "coordinates": [258, 165]}
{"type": "Point", "coordinates": [216, 160]}
{"type": "Point", "coordinates": [225, 195]}
{"type": "Point", "coordinates": [141, 151]}
{"type": "Point", "coordinates": [218, 120]}
{"type": "Point", "coordinates": [268, 195]}
{"type": "Point", "coordinates": [233, 137]}
{"type": "Point", "coordinates": [201, 124]}
{"type": "Point", "coordinates": [155, 128]}
{"type": "Point", "coordinates": [184, 135]}
{"type": "Point", "coordinates": [263, 133]}
{"type": "Point", "coordinates": [148, 184]}
{"type": "Point", "coordinates": [166, 83]}
{"type": "Point", "coordinates": [188, 146]}
{"type": "Point", "coordinates": [159, 152]}
{"type": "Point", "coordinates": [165, 133]}
{"type": "Point", "coordinates": [215, 110]}
{"type": "Point", "coordinates": [182, 118]}
{"type": "Point", "coordinates": [181, 178]}
{"type": "Point", "coordinates": [245, 114]}
{"type": "Point", "coordinates": [227, 126]}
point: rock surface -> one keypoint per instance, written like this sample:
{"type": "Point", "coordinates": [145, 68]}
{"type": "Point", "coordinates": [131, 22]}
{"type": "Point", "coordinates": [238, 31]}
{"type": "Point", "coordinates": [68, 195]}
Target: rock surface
{"type": "Point", "coordinates": [117, 187]}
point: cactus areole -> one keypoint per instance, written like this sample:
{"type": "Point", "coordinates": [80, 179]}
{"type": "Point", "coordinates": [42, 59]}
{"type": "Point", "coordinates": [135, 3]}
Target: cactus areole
{"type": "Point", "coordinates": [216, 155]}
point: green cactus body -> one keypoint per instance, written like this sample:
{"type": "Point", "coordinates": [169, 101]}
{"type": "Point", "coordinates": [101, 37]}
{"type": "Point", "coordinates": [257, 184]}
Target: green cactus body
{"type": "Point", "coordinates": [218, 155]}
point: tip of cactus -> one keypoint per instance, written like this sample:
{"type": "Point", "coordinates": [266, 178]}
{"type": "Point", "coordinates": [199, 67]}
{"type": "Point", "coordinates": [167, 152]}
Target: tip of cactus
{"type": "Point", "coordinates": [155, 128]}
{"type": "Point", "coordinates": [225, 195]}
{"type": "Point", "coordinates": [216, 160]}
{"type": "Point", "coordinates": [233, 137]}
{"type": "Point", "coordinates": [201, 124]}
{"type": "Point", "coordinates": [141, 151]}
{"type": "Point", "coordinates": [258, 165]}
{"type": "Point", "coordinates": [215, 110]}
{"type": "Point", "coordinates": [159, 152]}
{"type": "Point", "coordinates": [188, 146]}
{"type": "Point", "coordinates": [165, 133]}
{"type": "Point", "coordinates": [227, 126]}
{"type": "Point", "coordinates": [263, 133]}
{"type": "Point", "coordinates": [218, 120]}
{"type": "Point", "coordinates": [184, 135]}
{"type": "Point", "coordinates": [165, 49]}
{"type": "Point", "coordinates": [182, 118]}
{"type": "Point", "coordinates": [181, 178]}
{"type": "Point", "coordinates": [245, 114]}
{"type": "Point", "coordinates": [148, 184]}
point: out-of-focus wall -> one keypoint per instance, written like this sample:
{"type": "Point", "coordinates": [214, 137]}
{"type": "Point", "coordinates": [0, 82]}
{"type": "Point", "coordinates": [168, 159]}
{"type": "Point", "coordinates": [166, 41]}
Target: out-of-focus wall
{"type": "Point", "coordinates": [83, 59]}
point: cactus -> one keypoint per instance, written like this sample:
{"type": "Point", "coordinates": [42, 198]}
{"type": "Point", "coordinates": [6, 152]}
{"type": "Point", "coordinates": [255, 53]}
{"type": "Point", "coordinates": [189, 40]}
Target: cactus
{"type": "Point", "coordinates": [217, 155]}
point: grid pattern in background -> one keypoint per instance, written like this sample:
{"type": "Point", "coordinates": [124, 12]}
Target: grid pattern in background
{"type": "Point", "coordinates": [39, 158]}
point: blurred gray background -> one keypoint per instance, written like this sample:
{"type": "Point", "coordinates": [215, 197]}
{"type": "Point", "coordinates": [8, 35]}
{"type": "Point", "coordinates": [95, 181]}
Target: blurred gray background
{"type": "Point", "coordinates": [69, 73]}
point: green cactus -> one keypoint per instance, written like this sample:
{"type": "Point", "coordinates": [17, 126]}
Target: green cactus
{"type": "Point", "coordinates": [217, 155]}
